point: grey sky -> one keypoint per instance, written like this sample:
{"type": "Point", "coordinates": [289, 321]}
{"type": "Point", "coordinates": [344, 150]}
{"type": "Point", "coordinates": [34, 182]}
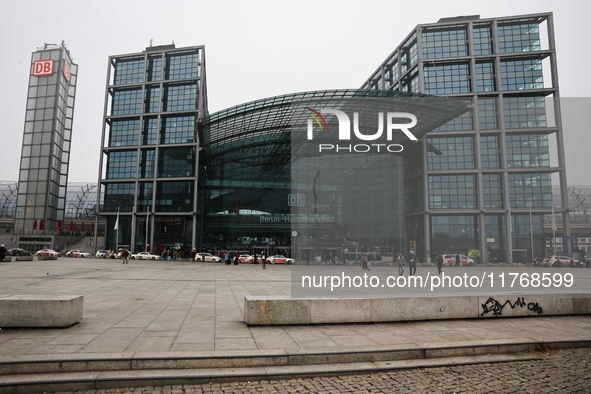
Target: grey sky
{"type": "Point", "coordinates": [253, 49]}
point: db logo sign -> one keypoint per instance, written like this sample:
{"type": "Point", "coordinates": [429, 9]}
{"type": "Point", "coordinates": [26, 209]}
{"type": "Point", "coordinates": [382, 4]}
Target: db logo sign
{"type": "Point", "coordinates": [296, 200]}
{"type": "Point", "coordinates": [42, 67]}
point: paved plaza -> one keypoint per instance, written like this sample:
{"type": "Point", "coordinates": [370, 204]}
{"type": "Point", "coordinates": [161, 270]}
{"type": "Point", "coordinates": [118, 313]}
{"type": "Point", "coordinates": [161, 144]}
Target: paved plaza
{"type": "Point", "coordinates": [168, 309]}
{"type": "Point", "coordinates": [163, 307]}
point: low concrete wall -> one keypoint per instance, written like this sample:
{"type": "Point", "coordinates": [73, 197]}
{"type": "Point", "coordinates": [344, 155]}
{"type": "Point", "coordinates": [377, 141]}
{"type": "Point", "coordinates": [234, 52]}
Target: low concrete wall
{"type": "Point", "coordinates": [7, 259]}
{"type": "Point", "coordinates": [278, 311]}
{"type": "Point", "coordinates": [40, 311]}
{"type": "Point", "coordinates": [23, 258]}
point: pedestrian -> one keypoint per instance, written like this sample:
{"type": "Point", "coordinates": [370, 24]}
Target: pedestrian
{"type": "Point", "coordinates": [2, 253]}
{"type": "Point", "coordinates": [226, 258]}
{"type": "Point", "coordinates": [263, 259]}
{"type": "Point", "coordinates": [412, 263]}
{"type": "Point", "coordinates": [124, 256]}
{"type": "Point", "coordinates": [236, 258]}
{"type": "Point", "coordinates": [364, 261]}
{"type": "Point", "coordinates": [457, 260]}
{"type": "Point", "coordinates": [400, 261]}
{"type": "Point", "coordinates": [439, 263]}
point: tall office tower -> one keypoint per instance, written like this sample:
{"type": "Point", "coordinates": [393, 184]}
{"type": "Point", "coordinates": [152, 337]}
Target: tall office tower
{"type": "Point", "coordinates": [46, 141]}
{"type": "Point", "coordinates": [475, 182]}
{"type": "Point", "coordinates": [149, 150]}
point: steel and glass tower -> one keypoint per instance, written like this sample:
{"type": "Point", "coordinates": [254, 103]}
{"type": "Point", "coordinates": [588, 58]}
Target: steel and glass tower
{"type": "Point", "coordinates": [474, 182]}
{"type": "Point", "coordinates": [46, 141]}
{"type": "Point", "coordinates": [149, 149]}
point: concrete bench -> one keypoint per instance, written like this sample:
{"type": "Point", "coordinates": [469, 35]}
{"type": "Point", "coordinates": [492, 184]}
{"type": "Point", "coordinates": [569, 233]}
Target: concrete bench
{"type": "Point", "coordinates": [280, 311]}
{"type": "Point", "coordinates": [23, 258]}
{"type": "Point", "coordinates": [39, 311]}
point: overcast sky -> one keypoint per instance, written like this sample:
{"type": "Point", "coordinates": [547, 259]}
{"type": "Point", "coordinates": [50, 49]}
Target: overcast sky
{"type": "Point", "coordinates": [254, 49]}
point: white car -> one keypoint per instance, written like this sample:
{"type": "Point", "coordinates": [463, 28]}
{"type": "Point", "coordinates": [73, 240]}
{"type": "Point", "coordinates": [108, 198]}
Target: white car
{"type": "Point", "coordinates": [48, 252]}
{"type": "Point", "coordinates": [278, 259]}
{"type": "Point", "coordinates": [145, 256]}
{"type": "Point", "coordinates": [103, 253]}
{"type": "Point", "coordinates": [207, 257]}
{"type": "Point", "coordinates": [450, 260]}
{"type": "Point", "coordinates": [250, 259]}
{"type": "Point", "coordinates": [80, 253]}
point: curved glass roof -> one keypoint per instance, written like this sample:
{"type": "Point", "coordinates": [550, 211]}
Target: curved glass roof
{"type": "Point", "coordinates": [251, 144]}
{"type": "Point", "coordinates": [579, 203]}
{"type": "Point", "coordinates": [265, 117]}
{"type": "Point", "coordinates": [80, 199]}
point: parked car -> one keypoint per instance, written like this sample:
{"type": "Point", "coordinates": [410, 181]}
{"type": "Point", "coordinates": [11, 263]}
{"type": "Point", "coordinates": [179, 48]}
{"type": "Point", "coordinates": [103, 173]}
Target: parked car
{"type": "Point", "coordinates": [143, 256]}
{"type": "Point", "coordinates": [102, 253]}
{"type": "Point", "coordinates": [18, 252]}
{"type": "Point", "coordinates": [48, 252]}
{"type": "Point", "coordinates": [207, 257]}
{"type": "Point", "coordinates": [80, 254]}
{"type": "Point", "coordinates": [250, 259]}
{"type": "Point", "coordinates": [244, 258]}
{"type": "Point", "coordinates": [450, 260]}
{"type": "Point", "coordinates": [560, 261]}
{"type": "Point", "coordinates": [76, 253]}
{"type": "Point", "coordinates": [278, 259]}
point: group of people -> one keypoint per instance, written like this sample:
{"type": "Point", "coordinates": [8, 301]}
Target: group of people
{"type": "Point", "coordinates": [234, 257]}
{"type": "Point", "coordinates": [412, 263]}
{"type": "Point", "coordinates": [400, 261]}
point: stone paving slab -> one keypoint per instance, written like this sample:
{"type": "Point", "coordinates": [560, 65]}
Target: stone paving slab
{"type": "Point", "coordinates": [176, 308]}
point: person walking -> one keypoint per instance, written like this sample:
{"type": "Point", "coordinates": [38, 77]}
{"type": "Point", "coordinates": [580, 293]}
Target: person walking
{"type": "Point", "coordinates": [412, 262]}
{"type": "Point", "coordinates": [124, 256]}
{"type": "Point", "coordinates": [237, 258]}
{"type": "Point", "coordinates": [457, 260]}
{"type": "Point", "coordinates": [439, 263]}
{"type": "Point", "coordinates": [264, 259]}
{"type": "Point", "coordinates": [2, 253]}
{"type": "Point", "coordinates": [400, 261]}
{"type": "Point", "coordinates": [364, 261]}
{"type": "Point", "coordinates": [226, 257]}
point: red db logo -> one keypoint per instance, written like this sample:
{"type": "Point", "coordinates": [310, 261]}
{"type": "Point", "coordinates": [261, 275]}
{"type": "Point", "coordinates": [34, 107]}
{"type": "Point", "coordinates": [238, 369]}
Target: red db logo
{"type": "Point", "coordinates": [42, 67]}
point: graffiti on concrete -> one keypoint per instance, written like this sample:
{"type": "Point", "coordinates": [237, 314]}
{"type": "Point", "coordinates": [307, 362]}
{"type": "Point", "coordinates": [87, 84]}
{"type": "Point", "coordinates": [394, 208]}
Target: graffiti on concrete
{"type": "Point", "coordinates": [494, 306]}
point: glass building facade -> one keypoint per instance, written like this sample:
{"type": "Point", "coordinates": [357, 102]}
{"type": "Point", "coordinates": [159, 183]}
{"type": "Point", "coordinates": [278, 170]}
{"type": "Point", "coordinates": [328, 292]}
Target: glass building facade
{"type": "Point", "coordinates": [473, 181]}
{"type": "Point", "coordinates": [176, 176]}
{"type": "Point", "coordinates": [263, 183]}
{"type": "Point", "coordinates": [150, 147]}
{"type": "Point", "coordinates": [45, 156]}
